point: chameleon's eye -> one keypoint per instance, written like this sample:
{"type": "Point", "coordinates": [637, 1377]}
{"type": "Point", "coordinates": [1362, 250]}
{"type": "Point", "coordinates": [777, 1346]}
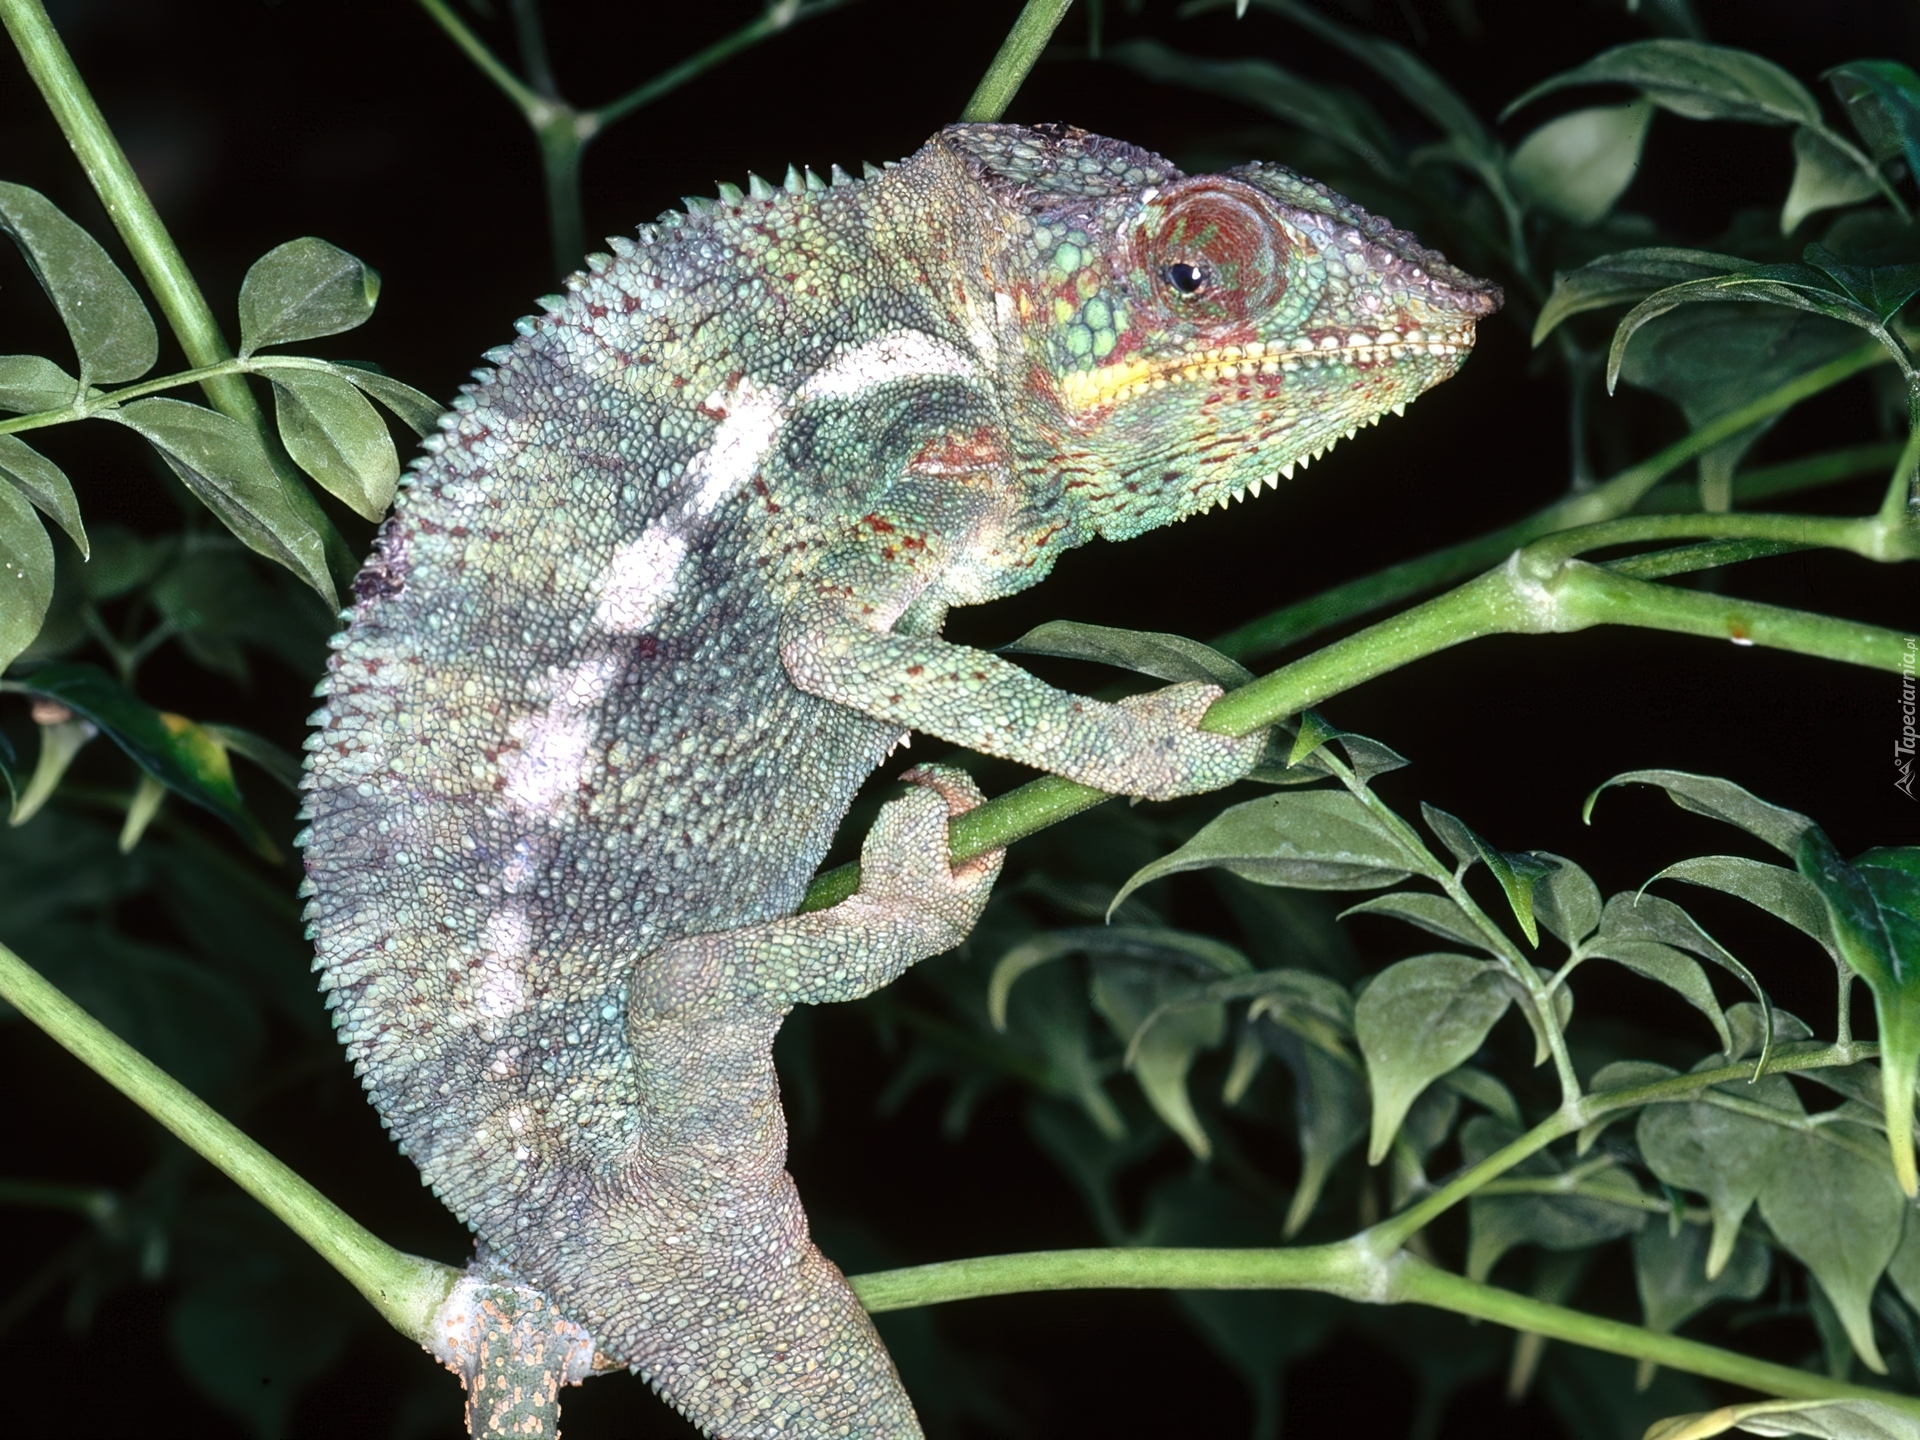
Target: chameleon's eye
{"type": "Point", "coordinates": [1185, 278]}
{"type": "Point", "coordinates": [1215, 247]}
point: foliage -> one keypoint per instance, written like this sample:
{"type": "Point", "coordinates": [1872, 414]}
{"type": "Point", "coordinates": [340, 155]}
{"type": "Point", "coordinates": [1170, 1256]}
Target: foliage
{"type": "Point", "coordinates": [1206, 1053]}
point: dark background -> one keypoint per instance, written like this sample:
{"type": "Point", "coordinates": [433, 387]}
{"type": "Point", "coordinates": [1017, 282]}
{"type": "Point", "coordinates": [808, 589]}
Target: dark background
{"type": "Point", "coordinates": [252, 123]}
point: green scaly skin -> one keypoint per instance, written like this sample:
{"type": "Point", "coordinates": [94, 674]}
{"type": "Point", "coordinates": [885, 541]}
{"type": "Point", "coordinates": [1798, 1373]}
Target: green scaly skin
{"type": "Point", "coordinates": [669, 585]}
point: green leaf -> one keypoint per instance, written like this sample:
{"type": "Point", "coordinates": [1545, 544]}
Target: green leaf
{"type": "Point", "coordinates": [1882, 289]}
{"type": "Point", "coordinates": [420, 413]}
{"type": "Point", "coordinates": [1723, 1154]}
{"type": "Point", "coordinates": [1578, 165]}
{"type": "Point", "coordinates": [1566, 900]}
{"type": "Point", "coordinates": [1129, 994]}
{"type": "Point", "coordinates": [1777, 890]}
{"type": "Point", "coordinates": [1367, 758]}
{"type": "Point", "coordinates": [32, 383]}
{"type": "Point", "coordinates": [1415, 1022]}
{"type": "Point", "coordinates": [112, 333]}
{"type": "Point", "coordinates": [1182, 951]}
{"type": "Point", "coordinates": [1826, 175]}
{"type": "Point", "coordinates": [26, 574]}
{"type": "Point", "coordinates": [1904, 1268]}
{"type": "Point", "coordinates": [281, 767]}
{"type": "Point", "coordinates": [1330, 1112]}
{"type": "Point", "coordinates": [1165, 657]}
{"type": "Point", "coordinates": [1603, 1208]}
{"type": "Point", "coordinates": [1824, 1419]}
{"type": "Point", "coordinates": [1670, 1266]}
{"type": "Point", "coordinates": [1629, 919]}
{"type": "Point", "coordinates": [1721, 800]}
{"type": "Point", "coordinates": [181, 755]}
{"type": "Point", "coordinates": [1838, 1213]}
{"type": "Point", "coordinates": [42, 482]}
{"type": "Point", "coordinates": [1883, 102]}
{"type": "Point", "coordinates": [1472, 1083]}
{"type": "Point", "coordinates": [1453, 834]}
{"type": "Point", "coordinates": [1314, 840]}
{"type": "Point", "coordinates": [1873, 906]}
{"type": "Point", "coordinates": [1798, 287]}
{"type": "Point", "coordinates": [1518, 872]}
{"type": "Point", "coordinates": [1678, 972]}
{"type": "Point", "coordinates": [1330, 112]}
{"type": "Point", "coordinates": [1435, 914]}
{"type": "Point", "coordinates": [60, 740]}
{"type": "Point", "coordinates": [302, 290]}
{"type": "Point", "coordinates": [221, 461]}
{"type": "Point", "coordinates": [1625, 277]}
{"type": "Point", "coordinates": [1619, 1075]}
{"type": "Point", "coordinates": [338, 438]}
{"type": "Point", "coordinates": [1693, 79]}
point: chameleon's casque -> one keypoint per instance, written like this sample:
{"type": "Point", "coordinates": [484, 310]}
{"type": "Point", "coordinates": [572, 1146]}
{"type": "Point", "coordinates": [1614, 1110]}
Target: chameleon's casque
{"type": "Point", "coordinates": [669, 585]}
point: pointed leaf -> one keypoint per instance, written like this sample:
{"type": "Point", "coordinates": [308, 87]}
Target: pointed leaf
{"type": "Point", "coordinates": [1453, 834]}
{"type": "Point", "coordinates": [1774, 888]}
{"type": "Point", "coordinates": [1518, 873]}
{"type": "Point", "coordinates": [281, 767]}
{"type": "Point", "coordinates": [26, 574]}
{"type": "Point", "coordinates": [1723, 1154]}
{"type": "Point", "coordinates": [1128, 993]}
{"type": "Point", "coordinates": [1694, 79]}
{"type": "Point", "coordinates": [1671, 1270]}
{"type": "Point", "coordinates": [1626, 277]}
{"type": "Point", "coordinates": [1146, 652]}
{"type": "Point", "coordinates": [1721, 800]}
{"type": "Point", "coordinates": [1579, 164]}
{"type": "Point", "coordinates": [1883, 101]}
{"type": "Point", "coordinates": [336, 436]}
{"type": "Point", "coordinates": [178, 753]}
{"type": "Point", "coordinates": [1632, 918]}
{"type": "Point", "coordinates": [222, 462]}
{"type": "Point", "coordinates": [1823, 1419]}
{"type": "Point", "coordinates": [1330, 1111]}
{"type": "Point", "coordinates": [1826, 174]}
{"type": "Point", "coordinates": [1668, 966]}
{"type": "Point", "coordinates": [1433, 913]}
{"type": "Point", "coordinates": [1883, 289]}
{"type": "Point", "coordinates": [1904, 1268]}
{"type": "Point", "coordinates": [1874, 909]}
{"type": "Point", "coordinates": [1314, 840]}
{"type": "Point", "coordinates": [112, 333]}
{"type": "Point", "coordinates": [42, 482]}
{"type": "Point", "coordinates": [419, 412]}
{"type": "Point", "coordinates": [1566, 900]}
{"type": "Point", "coordinates": [1415, 1022]}
{"type": "Point", "coordinates": [1472, 1083]}
{"type": "Point", "coordinates": [32, 383]}
{"type": "Point", "coordinates": [1840, 1215]}
{"type": "Point", "coordinates": [302, 290]}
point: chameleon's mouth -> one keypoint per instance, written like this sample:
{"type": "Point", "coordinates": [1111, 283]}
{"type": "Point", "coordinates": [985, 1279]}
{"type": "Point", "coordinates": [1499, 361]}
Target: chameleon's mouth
{"type": "Point", "coordinates": [1109, 384]}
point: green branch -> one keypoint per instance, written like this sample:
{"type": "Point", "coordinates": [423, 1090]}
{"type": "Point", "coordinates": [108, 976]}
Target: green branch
{"type": "Point", "coordinates": [1346, 1271]}
{"type": "Point", "coordinates": [405, 1289]}
{"type": "Point", "coordinates": [562, 131]}
{"type": "Point", "coordinates": [1017, 55]}
{"type": "Point", "coordinates": [1615, 498]}
{"type": "Point", "coordinates": [153, 250]}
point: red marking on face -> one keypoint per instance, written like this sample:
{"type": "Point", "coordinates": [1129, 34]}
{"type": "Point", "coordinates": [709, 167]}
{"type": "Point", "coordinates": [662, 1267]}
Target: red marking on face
{"type": "Point", "coordinates": [961, 453]}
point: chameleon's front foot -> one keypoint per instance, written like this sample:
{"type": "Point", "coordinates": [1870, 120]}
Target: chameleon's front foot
{"type": "Point", "coordinates": [1176, 757]}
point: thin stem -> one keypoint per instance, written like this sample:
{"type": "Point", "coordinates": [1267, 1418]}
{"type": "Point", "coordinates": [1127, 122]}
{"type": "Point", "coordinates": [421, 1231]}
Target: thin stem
{"type": "Point", "coordinates": [153, 250]}
{"type": "Point", "coordinates": [1686, 559]}
{"type": "Point", "coordinates": [1016, 57]}
{"type": "Point", "coordinates": [532, 39]}
{"type": "Point", "coordinates": [484, 60]}
{"type": "Point", "coordinates": [405, 1289]}
{"type": "Point", "coordinates": [1616, 497]}
{"type": "Point", "coordinates": [93, 1201]}
{"type": "Point", "coordinates": [103, 402]}
{"type": "Point", "coordinates": [1900, 511]}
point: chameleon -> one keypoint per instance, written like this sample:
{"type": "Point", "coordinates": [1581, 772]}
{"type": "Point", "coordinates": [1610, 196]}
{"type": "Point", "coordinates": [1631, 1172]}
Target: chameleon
{"type": "Point", "coordinates": [667, 586]}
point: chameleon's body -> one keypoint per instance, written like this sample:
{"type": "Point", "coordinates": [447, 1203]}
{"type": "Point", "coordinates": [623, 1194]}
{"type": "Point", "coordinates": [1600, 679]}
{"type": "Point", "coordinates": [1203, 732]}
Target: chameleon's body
{"type": "Point", "coordinates": [668, 587]}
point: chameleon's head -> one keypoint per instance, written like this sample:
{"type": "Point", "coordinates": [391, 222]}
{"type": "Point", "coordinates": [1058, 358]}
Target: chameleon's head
{"type": "Point", "coordinates": [1182, 339]}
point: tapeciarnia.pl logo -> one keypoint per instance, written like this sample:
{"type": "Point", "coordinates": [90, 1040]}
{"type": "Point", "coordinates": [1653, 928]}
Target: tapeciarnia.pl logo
{"type": "Point", "coordinates": [1903, 746]}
